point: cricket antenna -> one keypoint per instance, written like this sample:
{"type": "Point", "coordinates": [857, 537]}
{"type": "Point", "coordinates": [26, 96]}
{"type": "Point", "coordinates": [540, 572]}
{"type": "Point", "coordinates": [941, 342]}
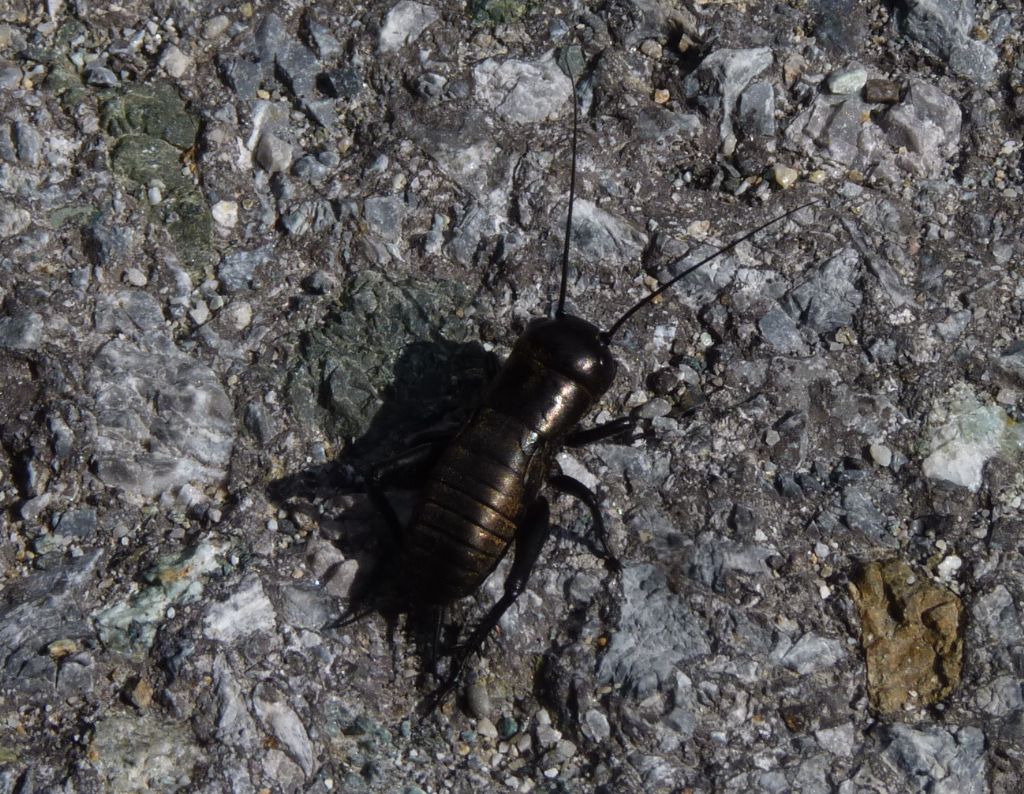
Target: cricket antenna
{"type": "Point", "coordinates": [560, 311]}
{"type": "Point", "coordinates": [606, 336]}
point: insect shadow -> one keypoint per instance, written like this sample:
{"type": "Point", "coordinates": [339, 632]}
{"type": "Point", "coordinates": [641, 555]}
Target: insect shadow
{"type": "Point", "coordinates": [434, 387]}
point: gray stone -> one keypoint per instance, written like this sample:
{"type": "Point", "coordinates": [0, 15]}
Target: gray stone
{"type": "Point", "coordinates": [128, 310]}
{"type": "Point", "coordinates": [938, 760]}
{"type": "Point", "coordinates": [99, 75]}
{"type": "Point", "coordinates": [37, 609]}
{"type": "Point", "coordinates": [847, 81]}
{"type": "Point", "coordinates": [838, 740]}
{"type": "Point", "coordinates": [657, 630]}
{"type": "Point", "coordinates": [478, 701]}
{"type": "Point", "coordinates": [23, 332]}
{"type": "Point", "coordinates": [77, 523]}
{"type": "Point", "coordinates": [716, 84]}
{"type": "Point", "coordinates": [996, 614]}
{"type": "Point", "coordinates": [662, 126]}
{"type": "Point", "coordinates": [297, 67]}
{"type": "Point", "coordinates": [808, 654]}
{"type": "Point", "coordinates": [241, 74]}
{"type": "Point", "coordinates": [310, 169]}
{"type": "Point", "coordinates": [524, 92]}
{"type": "Point", "coordinates": [237, 270]}
{"type": "Point", "coordinates": [235, 725]}
{"type": "Point", "coordinates": [861, 514]}
{"type": "Point", "coordinates": [162, 417]}
{"type": "Point", "coordinates": [943, 27]}
{"type": "Point", "coordinates": [10, 76]}
{"type": "Point", "coordinates": [828, 299]}
{"type": "Point", "coordinates": [271, 38]}
{"type": "Point", "coordinates": [108, 243]}
{"type": "Point", "coordinates": [403, 24]}
{"type": "Point", "coordinates": [834, 126]}
{"type": "Point", "coordinates": [304, 606]}
{"type": "Point", "coordinates": [927, 122]}
{"type": "Point", "coordinates": [13, 220]}
{"type": "Point", "coordinates": [780, 331]}
{"type": "Point", "coordinates": [280, 720]}
{"type": "Point", "coordinates": [246, 611]}
{"type": "Point", "coordinates": [384, 214]}
{"type": "Point", "coordinates": [756, 114]}
{"type": "Point", "coordinates": [322, 40]}
{"type": "Point", "coordinates": [712, 557]}
{"type": "Point", "coordinates": [29, 143]}
{"type": "Point", "coordinates": [273, 154]}
{"type": "Point", "coordinates": [342, 83]}
{"type": "Point", "coordinates": [599, 236]}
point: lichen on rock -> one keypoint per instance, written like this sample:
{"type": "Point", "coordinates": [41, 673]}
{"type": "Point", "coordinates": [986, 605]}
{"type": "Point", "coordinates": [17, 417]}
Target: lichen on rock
{"type": "Point", "coordinates": [912, 635]}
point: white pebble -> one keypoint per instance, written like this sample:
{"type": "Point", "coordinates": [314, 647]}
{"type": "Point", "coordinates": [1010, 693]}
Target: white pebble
{"type": "Point", "coordinates": [240, 314]}
{"type": "Point", "coordinates": [948, 567]}
{"type": "Point", "coordinates": [174, 61]}
{"type": "Point", "coordinates": [225, 213]}
{"type": "Point", "coordinates": [880, 454]}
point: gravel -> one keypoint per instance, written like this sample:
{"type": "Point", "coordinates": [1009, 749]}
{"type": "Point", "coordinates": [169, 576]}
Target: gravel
{"type": "Point", "coordinates": [246, 252]}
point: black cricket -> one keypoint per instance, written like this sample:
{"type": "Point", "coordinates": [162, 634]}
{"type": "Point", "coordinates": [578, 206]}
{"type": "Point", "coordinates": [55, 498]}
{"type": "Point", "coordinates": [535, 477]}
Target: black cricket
{"type": "Point", "coordinates": [481, 485]}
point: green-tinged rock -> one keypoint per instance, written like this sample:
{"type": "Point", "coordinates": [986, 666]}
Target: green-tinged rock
{"type": "Point", "coordinates": [394, 355]}
{"type": "Point", "coordinates": [155, 131]}
{"type": "Point", "coordinates": [499, 12]}
{"type": "Point", "coordinates": [154, 110]}
{"type": "Point", "coordinates": [912, 635]}
{"type": "Point", "coordinates": [130, 627]}
{"type": "Point", "coordinates": [964, 434]}
{"type": "Point", "coordinates": [62, 215]}
{"type": "Point", "coordinates": [143, 752]}
{"type": "Point", "coordinates": [143, 159]}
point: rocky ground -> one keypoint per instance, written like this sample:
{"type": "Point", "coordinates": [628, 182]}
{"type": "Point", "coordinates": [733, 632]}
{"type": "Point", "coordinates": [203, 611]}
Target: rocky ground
{"type": "Point", "coordinates": [246, 249]}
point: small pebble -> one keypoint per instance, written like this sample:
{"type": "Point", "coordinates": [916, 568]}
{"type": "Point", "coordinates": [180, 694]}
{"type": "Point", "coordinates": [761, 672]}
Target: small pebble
{"type": "Point", "coordinates": [486, 728]}
{"type": "Point", "coordinates": [948, 567]}
{"type": "Point", "coordinates": [61, 648]}
{"type": "Point", "coordinates": [240, 314]}
{"type": "Point", "coordinates": [507, 727]}
{"type": "Point", "coordinates": [651, 48]}
{"type": "Point", "coordinates": [884, 91]}
{"type": "Point", "coordinates": [478, 700]}
{"type": "Point", "coordinates": [135, 277]}
{"type": "Point", "coordinates": [880, 454]}
{"type": "Point", "coordinates": [661, 96]}
{"type": "Point", "coordinates": [784, 176]}
{"type": "Point", "coordinates": [215, 26]}
{"type": "Point", "coordinates": [273, 154]}
{"type": "Point", "coordinates": [225, 213]}
{"type": "Point", "coordinates": [847, 81]}
{"type": "Point", "coordinates": [141, 694]}
{"type": "Point", "coordinates": [174, 61]}
{"type": "Point", "coordinates": [200, 312]}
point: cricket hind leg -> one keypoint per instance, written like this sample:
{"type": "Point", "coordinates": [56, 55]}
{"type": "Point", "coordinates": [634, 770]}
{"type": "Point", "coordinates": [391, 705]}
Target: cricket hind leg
{"type": "Point", "coordinates": [534, 529]}
{"type": "Point", "coordinates": [573, 487]}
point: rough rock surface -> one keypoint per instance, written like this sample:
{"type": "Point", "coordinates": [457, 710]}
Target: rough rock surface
{"type": "Point", "coordinates": [248, 250]}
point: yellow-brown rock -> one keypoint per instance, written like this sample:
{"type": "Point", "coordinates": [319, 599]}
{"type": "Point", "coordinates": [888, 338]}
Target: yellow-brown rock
{"type": "Point", "coordinates": [912, 635]}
